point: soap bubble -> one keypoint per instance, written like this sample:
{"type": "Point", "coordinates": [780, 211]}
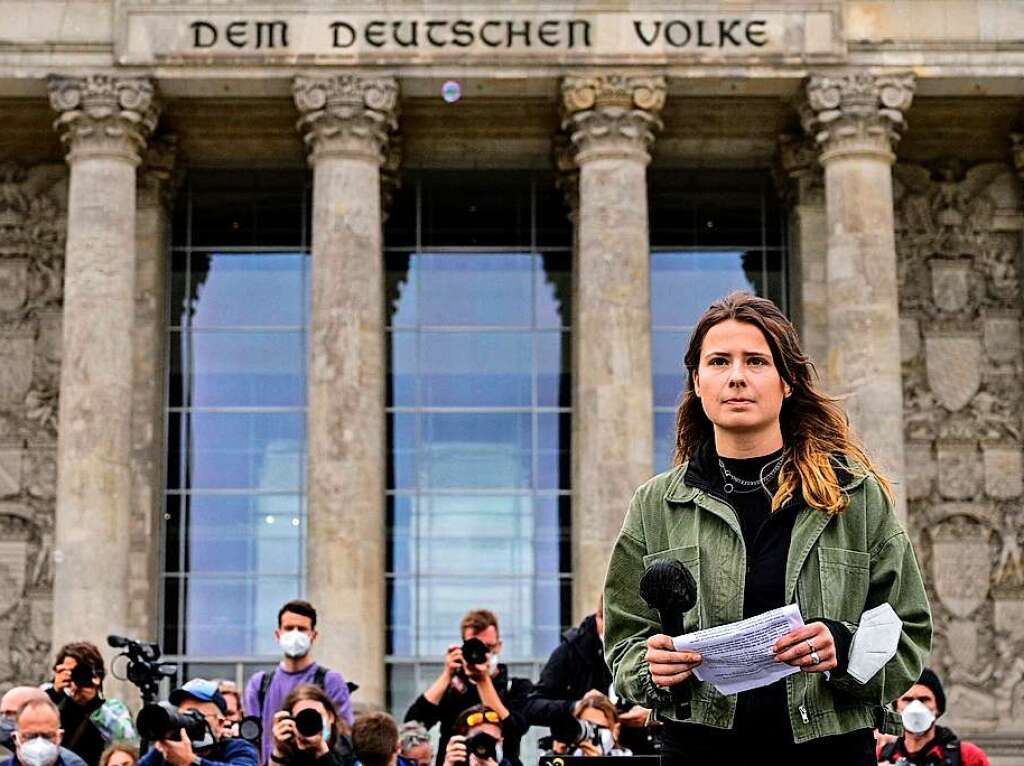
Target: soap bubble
{"type": "Point", "coordinates": [451, 91]}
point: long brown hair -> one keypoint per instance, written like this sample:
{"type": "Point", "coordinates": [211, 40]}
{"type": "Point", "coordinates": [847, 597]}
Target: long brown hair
{"type": "Point", "coordinates": [815, 428]}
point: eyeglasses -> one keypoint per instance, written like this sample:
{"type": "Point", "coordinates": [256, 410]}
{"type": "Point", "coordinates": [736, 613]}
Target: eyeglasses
{"type": "Point", "coordinates": [482, 716]}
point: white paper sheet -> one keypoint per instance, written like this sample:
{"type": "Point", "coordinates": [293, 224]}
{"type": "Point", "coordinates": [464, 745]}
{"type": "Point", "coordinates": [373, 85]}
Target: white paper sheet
{"type": "Point", "coordinates": [738, 656]}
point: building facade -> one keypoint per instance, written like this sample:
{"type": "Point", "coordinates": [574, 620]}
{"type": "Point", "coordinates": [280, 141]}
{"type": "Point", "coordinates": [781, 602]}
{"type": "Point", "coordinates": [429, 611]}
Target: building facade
{"type": "Point", "coordinates": [384, 305]}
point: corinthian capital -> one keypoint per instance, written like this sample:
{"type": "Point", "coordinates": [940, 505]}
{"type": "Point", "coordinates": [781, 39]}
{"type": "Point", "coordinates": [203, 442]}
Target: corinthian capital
{"type": "Point", "coordinates": [857, 112]}
{"type": "Point", "coordinates": [103, 115]}
{"type": "Point", "coordinates": [346, 115]}
{"type": "Point", "coordinates": [612, 115]}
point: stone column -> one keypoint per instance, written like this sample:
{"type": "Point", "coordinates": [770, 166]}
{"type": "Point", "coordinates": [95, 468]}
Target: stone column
{"type": "Point", "coordinates": [346, 121]}
{"type": "Point", "coordinates": [155, 197]}
{"type": "Point", "coordinates": [104, 122]}
{"type": "Point", "coordinates": [856, 119]}
{"type": "Point", "coordinates": [801, 186]}
{"type": "Point", "coordinates": [612, 120]}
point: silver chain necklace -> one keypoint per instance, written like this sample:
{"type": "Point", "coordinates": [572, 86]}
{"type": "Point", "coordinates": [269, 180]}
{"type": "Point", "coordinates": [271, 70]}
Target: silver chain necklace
{"type": "Point", "coordinates": [732, 480]}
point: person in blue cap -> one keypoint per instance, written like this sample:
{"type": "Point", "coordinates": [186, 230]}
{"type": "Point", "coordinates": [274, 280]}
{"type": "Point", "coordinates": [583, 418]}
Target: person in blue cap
{"type": "Point", "coordinates": [212, 749]}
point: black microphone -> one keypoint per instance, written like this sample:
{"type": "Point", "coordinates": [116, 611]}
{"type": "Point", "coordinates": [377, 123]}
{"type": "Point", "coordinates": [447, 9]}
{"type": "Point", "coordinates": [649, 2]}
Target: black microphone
{"type": "Point", "coordinates": [668, 587]}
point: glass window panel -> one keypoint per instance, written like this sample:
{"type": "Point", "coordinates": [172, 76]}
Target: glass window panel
{"type": "Point", "coordinates": [553, 465]}
{"type": "Point", "coordinates": [402, 380]}
{"type": "Point", "coordinates": [246, 534]}
{"type": "Point", "coordinates": [172, 615]}
{"type": "Point", "coordinates": [247, 369]}
{"type": "Point", "coordinates": [245, 289]}
{"type": "Point", "coordinates": [459, 214]}
{"type": "Point", "coordinates": [546, 523]}
{"type": "Point", "coordinates": [231, 616]}
{"type": "Point", "coordinates": [554, 290]}
{"type": "Point", "coordinates": [401, 617]}
{"type": "Point", "coordinates": [179, 289]}
{"type": "Point", "coordinates": [402, 427]}
{"type": "Point", "coordinates": [553, 226]}
{"type": "Point", "coordinates": [403, 687]}
{"type": "Point", "coordinates": [243, 450]}
{"type": "Point", "coordinates": [664, 439]}
{"type": "Point", "coordinates": [475, 450]}
{"type": "Point", "coordinates": [175, 450]}
{"type": "Point", "coordinates": [554, 369]}
{"type": "Point", "coordinates": [476, 369]}
{"type": "Point", "coordinates": [401, 289]}
{"type": "Point", "coordinates": [401, 550]}
{"type": "Point", "coordinates": [486, 289]}
{"type": "Point", "coordinates": [667, 358]}
{"type": "Point", "coordinates": [685, 283]}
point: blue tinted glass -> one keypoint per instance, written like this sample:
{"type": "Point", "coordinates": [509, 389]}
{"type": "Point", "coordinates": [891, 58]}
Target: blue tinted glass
{"type": "Point", "coordinates": [257, 450]}
{"type": "Point", "coordinates": [401, 553]}
{"type": "Point", "coordinates": [247, 369]}
{"type": "Point", "coordinates": [233, 616]}
{"type": "Point", "coordinates": [246, 534]}
{"type": "Point", "coordinates": [476, 369]}
{"type": "Point", "coordinates": [401, 289]}
{"type": "Point", "coordinates": [488, 289]}
{"type": "Point", "coordinates": [404, 369]}
{"type": "Point", "coordinates": [475, 450]}
{"type": "Point", "coordinates": [684, 284]}
{"type": "Point", "coordinates": [262, 289]}
{"type": "Point", "coordinates": [553, 430]}
{"type": "Point", "coordinates": [664, 440]}
{"type": "Point", "coordinates": [402, 426]}
{"type": "Point", "coordinates": [667, 349]}
{"type": "Point", "coordinates": [554, 377]}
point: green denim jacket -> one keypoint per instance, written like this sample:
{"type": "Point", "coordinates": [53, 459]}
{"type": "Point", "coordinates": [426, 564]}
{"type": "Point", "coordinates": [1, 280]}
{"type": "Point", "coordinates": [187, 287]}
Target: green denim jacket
{"type": "Point", "coordinates": [838, 567]}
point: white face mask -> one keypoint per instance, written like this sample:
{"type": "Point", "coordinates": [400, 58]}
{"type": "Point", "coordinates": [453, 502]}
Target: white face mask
{"type": "Point", "coordinates": [917, 717]}
{"type": "Point", "coordinates": [38, 751]}
{"type": "Point", "coordinates": [294, 643]}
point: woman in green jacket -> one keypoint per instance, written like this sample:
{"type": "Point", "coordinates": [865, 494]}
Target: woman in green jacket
{"type": "Point", "coordinates": [772, 501]}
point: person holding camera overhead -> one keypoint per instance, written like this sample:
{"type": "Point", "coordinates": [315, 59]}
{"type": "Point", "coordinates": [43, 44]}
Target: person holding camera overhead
{"type": "Point", "coordinates": [189, 731]}
{"type": "Point", "coordinates": [306, 730]}
{"type": "Point", "coordinates": [90, 722]}
{"type": "Point", "coordinates": [472, 676]}
{"type": "Point", "coordinates": [477, 740]}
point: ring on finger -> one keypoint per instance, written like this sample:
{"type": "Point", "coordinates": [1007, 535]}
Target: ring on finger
{"type": "Point", "coordinates": [815, 659]}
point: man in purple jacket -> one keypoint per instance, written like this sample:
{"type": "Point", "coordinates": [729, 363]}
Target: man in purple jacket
{"type": "Point", "coordinates": [296, 633]}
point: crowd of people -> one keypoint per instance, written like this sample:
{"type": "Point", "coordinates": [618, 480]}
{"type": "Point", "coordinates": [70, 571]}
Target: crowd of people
{"type": "Point", "coordinates": [306, 712]}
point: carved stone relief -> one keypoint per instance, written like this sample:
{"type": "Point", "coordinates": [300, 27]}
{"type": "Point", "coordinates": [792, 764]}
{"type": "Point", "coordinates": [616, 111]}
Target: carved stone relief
{"type": "Point", "coordinates": [957, 239]}
{"type": "Point", "coordinates": [32, 225]}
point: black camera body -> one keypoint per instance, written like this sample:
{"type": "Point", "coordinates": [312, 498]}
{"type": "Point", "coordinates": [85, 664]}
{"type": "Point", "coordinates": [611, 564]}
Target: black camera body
{"type": "Point", "coordinates": [82, 675]}
{"type": "Point", "coordinates": [162, 720]}
{"type": "Point", "coordinates": [482, 745]}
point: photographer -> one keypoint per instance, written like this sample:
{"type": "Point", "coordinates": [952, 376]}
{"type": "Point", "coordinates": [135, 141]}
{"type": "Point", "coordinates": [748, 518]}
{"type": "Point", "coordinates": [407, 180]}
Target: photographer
{"type": "Point", "coordinates": [594, 730]}
{"type": "Point", "coordinates": [473, 680]}
{"type": "Point", "coordinates": [306, 731]}
{"type": "Point", "coordinates": [90, 722]}
{"type": "Point", "coordinates": [201, 743]}
{"type": "Point", "coordinates": [477, 740]}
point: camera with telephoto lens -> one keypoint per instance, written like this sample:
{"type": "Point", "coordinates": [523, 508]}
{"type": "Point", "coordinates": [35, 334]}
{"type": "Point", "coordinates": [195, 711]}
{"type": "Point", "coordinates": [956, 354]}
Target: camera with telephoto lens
{"type": "Point", "coordinates": [162, 720]}
{"type": "Point", "coordinates": [575, 732]}
{"type": "Point", "coordinates": [474, 651]}
{"type": "Point", "coordinates": [483, 746]}
{"type": "Point", "coordinates": [308, 722]}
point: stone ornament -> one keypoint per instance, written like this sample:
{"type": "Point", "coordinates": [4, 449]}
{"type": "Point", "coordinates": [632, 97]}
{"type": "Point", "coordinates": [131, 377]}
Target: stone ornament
{"type": "Point", "coordinates": [390, 175]}
{"type": "Point", "coordinates": [567, 173]}
{"type": "Point", "coordinates": [158, 181]}
{"type": "Point", "coordinates": [612, 115]}
{"type": "Point", "coordinates": [104, 115]}
{"type": "Point", "coordinates": [32, 229]}
{"type": "Point", "coordinates": [857, 112]}
{"type": "Point", "coordinates": [347, 115]}
{"type": "Point", "coordinates": [958, 230]}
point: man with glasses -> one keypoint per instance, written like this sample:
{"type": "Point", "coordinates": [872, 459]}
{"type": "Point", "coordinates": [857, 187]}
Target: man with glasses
{"type": "Point", "coordinates": [36, 733]}
{"type": "Point", "coordinates": [415, 748]}
{"type": "Point", "coordinates": [463, 684]}
{"type": "Point", "coordinates": [213, 749]}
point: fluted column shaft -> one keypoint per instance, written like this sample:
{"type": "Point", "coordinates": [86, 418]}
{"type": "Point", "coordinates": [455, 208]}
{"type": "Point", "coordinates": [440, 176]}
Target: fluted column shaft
{"type": "Point", "coordinates": [612, 121]}
{"type": "Point", "coordinates": [104, 123]}
{"type": "Point", "coordinates": [347, 121]}
{"type": "Point", "coordinates": [856, 119]}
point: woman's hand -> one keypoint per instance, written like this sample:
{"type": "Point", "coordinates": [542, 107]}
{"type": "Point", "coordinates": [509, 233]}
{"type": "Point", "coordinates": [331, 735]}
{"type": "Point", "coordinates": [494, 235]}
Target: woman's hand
{"type": "Point", "coordinates": [284, 730]}
{"type": "Point", "coordinates": [669, 667]}
{"type": "Point", "coordinates": [810, 648]}
{"type": "Point", "coordinates": [589, 749]}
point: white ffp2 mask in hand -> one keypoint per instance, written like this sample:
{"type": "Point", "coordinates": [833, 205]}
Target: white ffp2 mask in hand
{"type": "Point", "coordinates": [875, 642]}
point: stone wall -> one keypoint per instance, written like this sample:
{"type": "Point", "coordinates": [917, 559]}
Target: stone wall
{"type": "Point", "coordinates": [32, 226]}
{"type": "Point", "coordinates": [958, 235]}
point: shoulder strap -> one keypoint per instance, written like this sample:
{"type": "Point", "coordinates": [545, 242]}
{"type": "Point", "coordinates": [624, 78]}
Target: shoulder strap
{"type": "Point", "coordinates": [320, 676]}
{"type": "Point", "coordinates": [954, 755]}
{"type": "Point", "coordinates": [264, 685]}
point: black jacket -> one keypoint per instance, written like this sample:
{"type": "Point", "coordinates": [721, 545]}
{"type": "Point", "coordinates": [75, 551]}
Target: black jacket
{"type": "Point", "coordinates": [512, 692]}
{"type": "Point", "coordinates": [575, 667]}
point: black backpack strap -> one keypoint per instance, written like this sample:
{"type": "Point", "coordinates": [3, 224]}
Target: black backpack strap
{"type": "Point", "coordinates": [264, 685]}
{"type": "Point", "coordinates": [889, 752]}
{"type": "Point", "coordinates": [954, 755]}
{"type": "Point", "coordinates": [320, 676]}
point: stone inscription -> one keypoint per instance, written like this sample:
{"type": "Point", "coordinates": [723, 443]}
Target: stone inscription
{"type": "Point", "coordinates": [151, 34]}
